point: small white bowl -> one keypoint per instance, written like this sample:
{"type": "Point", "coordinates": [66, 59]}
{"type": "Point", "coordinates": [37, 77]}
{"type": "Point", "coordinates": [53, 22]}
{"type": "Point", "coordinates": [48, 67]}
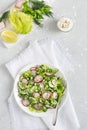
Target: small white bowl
{"type": "Point", "coordinates": [25, 109]}
{"type": "Point", "coordinates": [65, 24]}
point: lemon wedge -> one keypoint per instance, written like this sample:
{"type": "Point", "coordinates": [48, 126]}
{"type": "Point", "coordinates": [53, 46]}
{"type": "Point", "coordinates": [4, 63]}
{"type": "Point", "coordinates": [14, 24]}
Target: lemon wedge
{"type": "Point", "coordinates": [9, 36]}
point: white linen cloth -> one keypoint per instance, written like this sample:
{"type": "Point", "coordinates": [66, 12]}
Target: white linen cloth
{"type": "Point", "coordinates": [43, 51]}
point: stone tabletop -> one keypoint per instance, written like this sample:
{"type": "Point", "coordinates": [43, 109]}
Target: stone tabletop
{"type": "Point", "coordinates": [74, 43]}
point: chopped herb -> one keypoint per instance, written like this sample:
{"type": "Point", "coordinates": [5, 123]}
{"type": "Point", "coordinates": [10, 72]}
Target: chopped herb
{"type": "Point", "coordinates": [38, 9]}
{"type": "Point", "coordinates": [37, 4]}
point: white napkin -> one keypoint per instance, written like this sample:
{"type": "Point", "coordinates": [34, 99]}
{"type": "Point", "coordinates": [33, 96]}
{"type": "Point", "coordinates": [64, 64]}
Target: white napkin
{"type": "Point", "coordinates": [43, 51]}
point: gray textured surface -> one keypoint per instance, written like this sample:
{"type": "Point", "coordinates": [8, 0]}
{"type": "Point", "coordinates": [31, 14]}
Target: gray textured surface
{"type": "Point", "coordinates": [74, 42]}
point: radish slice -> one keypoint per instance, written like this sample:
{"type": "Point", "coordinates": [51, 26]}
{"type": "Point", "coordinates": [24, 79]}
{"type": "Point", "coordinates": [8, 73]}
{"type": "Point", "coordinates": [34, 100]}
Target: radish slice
{"type": "Point", "coordinates": [25, 102]}
{"type": "Point", "coordinates": [54, 95]}
{"type": "Point", "coordinates": [52, 83]}
{"type": "Point", "coordinates": [24, 81]}
{"type": "Point", "coordinates": [33, 72]}
{"type": "Point", "coordinates": [34, 68]}
{"type": "Point", "coordinates": [19, 4]}
{"type": "Point", "coordinates": [46, 95]}
{"type": "Point", "coordinates": [37, 66]}
{"type": "Point", "coordinates": [41, 85]}
{"type": "Point", "coordinates": [38, 79]}
{"type": "Point", "coordinates": [36, 94]}
{"type": "Point", "coordinates": [38, 106]}
{"type": "Point", "coordinates": [49, 107]}
{"type": "Point", "coordinates": [49, 74]}
{"type": "Point", "coordinates": [2, 25]}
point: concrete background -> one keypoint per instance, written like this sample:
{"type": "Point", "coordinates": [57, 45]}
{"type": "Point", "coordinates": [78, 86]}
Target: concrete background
{"type": "Point", "coordinates": [74, 42]}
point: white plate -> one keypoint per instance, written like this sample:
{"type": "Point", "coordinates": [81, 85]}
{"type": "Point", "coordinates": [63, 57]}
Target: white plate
{"type": "Point", "coordinates": [18, 99]}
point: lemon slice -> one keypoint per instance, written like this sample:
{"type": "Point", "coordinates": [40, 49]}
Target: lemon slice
{"type": "Point", "coordinates": [9, 36]}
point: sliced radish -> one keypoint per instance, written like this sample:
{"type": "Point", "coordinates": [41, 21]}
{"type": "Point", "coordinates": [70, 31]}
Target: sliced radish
{"type": "Point", "coordinates": [38, 106]}
{"type": "Point", "coordinates": [41, 85]}
{"type": "Point", "coordinates": [25, 102]}
{"type": "Point", "coordinates": [33, 72]}
{"type": "Point", "coordinates": [46, 95]}
{"type": "Point", "coordinates": [19, 4]}
{"type": "Point", "coordinates": [48, 106]}
{"type": "Point", "coordinates": [36, 94]}
{"type": "Point", "coordinates": [34, 68]}
{"type": "Point", "coordinates": [49, 74]}
{"type": "Point", "coordinates": [38, 79]}
{"type": "Point", "coordinates": [2, 25]}
{"type": "Point", "coordinates": [24, 81]}
{"type": "Point", "coordinates": [54, 95]}
{"type": "Point", "coordinates": [52, 83]}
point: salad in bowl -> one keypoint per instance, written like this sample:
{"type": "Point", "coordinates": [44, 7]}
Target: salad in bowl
{"type": "Point", "coordinates": [39, 88]}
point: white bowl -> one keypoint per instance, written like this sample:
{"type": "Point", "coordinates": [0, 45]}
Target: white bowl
{"type": "Point", "coordinates": [61, 21]}
{"type": "Point", "coordinates": [25, 109]}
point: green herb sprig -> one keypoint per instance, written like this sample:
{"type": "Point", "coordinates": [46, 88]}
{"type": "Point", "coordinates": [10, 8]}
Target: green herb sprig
{"type": "Point", "coordinates": [38, 9]}
{"type": "Point", "coordinates": [4, 16]}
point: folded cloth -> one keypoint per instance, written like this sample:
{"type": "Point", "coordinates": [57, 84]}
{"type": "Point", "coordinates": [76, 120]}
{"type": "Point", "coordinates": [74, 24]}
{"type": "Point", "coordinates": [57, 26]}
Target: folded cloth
{"type": "Point", "coordinates": [40, 52]}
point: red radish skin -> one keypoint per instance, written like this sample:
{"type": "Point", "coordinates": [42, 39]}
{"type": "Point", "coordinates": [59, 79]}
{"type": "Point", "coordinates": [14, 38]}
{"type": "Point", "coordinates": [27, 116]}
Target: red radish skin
{"type": "Point", "coordinates": [38, 79]}
{"type": "Point", "coordinates": [34, 68]}
{"type": "Point", "coordinates": [25, 102]}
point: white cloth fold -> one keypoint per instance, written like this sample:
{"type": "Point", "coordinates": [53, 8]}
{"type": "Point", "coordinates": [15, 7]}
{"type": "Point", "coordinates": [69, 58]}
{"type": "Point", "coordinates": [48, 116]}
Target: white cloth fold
{"type": "Point", "coordinates": [43, 51]}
